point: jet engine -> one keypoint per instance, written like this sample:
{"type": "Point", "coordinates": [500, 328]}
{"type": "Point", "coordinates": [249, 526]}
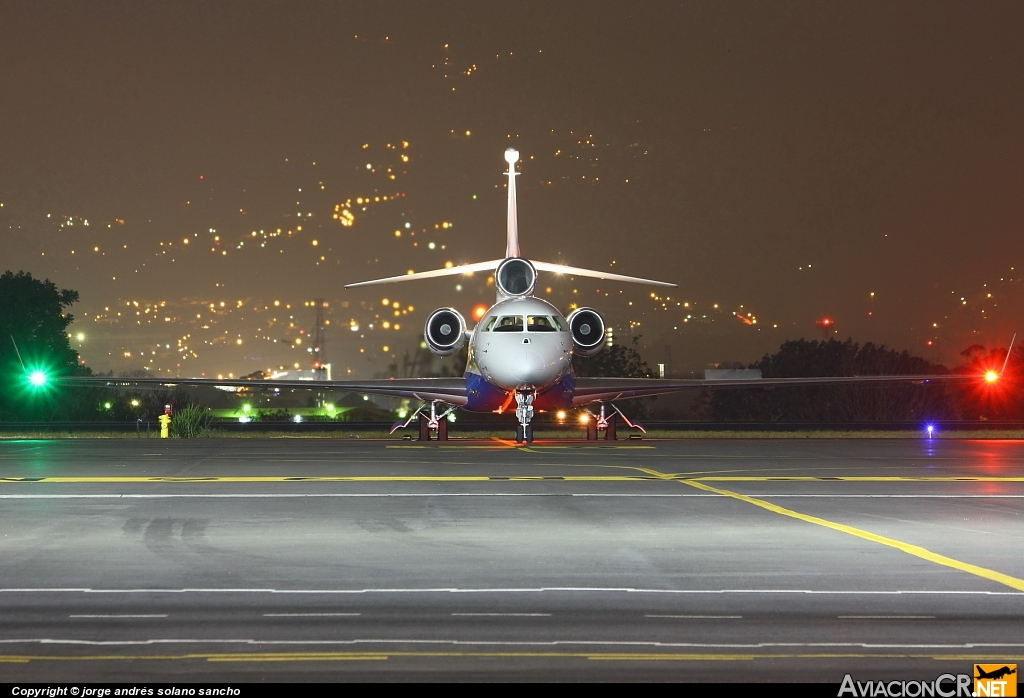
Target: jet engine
{"type": "Point", "coordinates": [515, 276]}
{"type": "Point", "coordinates": [587, 329]}
{"type": "Point", "coordinates": [445, 331]}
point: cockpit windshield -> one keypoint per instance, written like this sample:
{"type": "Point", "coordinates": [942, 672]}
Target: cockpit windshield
{"type": "Point", "coordinates": [540, 323]}
{"type": "Point", "coordinates": [509, 323]}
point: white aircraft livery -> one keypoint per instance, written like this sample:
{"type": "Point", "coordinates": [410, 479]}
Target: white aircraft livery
{"type": "Point", "coordinates": [520, 353]}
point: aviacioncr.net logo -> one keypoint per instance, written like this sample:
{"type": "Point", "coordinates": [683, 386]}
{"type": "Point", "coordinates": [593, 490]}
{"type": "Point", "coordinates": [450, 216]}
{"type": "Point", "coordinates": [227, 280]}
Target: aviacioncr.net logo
{"type": "Point", "coordinates": [943, 686]}
{"type": "Point", "coordinates": [995, 680]}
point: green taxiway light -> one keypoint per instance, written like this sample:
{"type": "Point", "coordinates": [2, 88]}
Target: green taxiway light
{"type": "Point", "coordinates": [37, 379]}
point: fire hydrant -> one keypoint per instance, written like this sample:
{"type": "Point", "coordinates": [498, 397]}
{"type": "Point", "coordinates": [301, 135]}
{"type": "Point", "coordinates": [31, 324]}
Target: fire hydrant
{"type": "Point", "coordinates": [165, 422]}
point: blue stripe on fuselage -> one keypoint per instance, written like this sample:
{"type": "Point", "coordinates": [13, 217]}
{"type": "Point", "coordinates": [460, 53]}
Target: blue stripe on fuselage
{"type": "Point", "coordinates": [485, 397]}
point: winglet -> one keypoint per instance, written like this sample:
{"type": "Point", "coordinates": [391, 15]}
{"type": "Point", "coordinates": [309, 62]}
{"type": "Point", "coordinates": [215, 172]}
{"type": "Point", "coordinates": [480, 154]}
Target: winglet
{"type": "Point", "coordinates": [18, 353]}
{"type": "Point", "coordinates": [1008, 352]}
{"type": "Point", "coordinates": [512, 247]}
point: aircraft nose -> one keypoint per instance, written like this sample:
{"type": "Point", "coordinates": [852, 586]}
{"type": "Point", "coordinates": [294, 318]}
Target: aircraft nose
{"type": "Point", "coordinates": [529, 367]}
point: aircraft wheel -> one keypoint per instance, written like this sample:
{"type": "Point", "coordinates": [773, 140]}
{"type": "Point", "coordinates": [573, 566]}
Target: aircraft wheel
{"type": "Point", "coordinates": [529, 434]}
{"type": "Point", "coordinates": [519, 434]}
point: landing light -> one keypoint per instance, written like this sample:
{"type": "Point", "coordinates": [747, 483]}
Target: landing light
{"type": "Point", "coordinates": [37, 379]}
{"type": "Point", "coordinates": [991, 376]}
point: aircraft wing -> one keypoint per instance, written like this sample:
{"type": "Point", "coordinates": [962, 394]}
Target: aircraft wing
{"type": "Point", "coordinates": [449, 390]}
{"type": "Point", "coordinates": [607, 389]}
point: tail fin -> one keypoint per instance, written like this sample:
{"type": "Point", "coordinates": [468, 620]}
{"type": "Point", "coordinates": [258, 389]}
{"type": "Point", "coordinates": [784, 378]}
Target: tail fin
{"type": "Point", "coordinates": [512, 246]}
{"type": "Point", "coordinates": [511, 249]}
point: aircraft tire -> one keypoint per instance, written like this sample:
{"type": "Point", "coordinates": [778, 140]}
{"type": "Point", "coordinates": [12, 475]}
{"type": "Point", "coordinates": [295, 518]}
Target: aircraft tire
{"type": "Point", "coordinates": [529, 434]}
{"type": "Point", "coordinates": [519, 434]}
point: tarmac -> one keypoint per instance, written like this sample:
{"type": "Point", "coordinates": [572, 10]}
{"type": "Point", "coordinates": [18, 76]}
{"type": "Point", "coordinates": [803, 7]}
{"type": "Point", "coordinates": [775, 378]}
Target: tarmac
{"type": "Point", "coordinates": [317, 560]}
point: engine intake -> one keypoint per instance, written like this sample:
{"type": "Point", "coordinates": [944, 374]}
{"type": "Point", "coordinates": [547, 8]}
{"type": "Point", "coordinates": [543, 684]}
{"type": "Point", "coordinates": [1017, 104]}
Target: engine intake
{"type": "Point", "coordinates": [587, 329]}
{"type": "Point", "coordinates": [445, 331]}
{"type": "Point", "coordinates": [515, 277]}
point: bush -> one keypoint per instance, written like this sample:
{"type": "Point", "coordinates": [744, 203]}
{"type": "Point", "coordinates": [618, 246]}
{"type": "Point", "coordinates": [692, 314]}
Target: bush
{"type": "Point", "coordinates": [190, 421]}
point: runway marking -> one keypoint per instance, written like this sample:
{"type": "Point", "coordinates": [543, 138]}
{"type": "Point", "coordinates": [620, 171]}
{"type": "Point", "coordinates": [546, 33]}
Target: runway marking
{"type": "Point", "coordinates": [853, 478]}
{"type": "Point", "coordinates": [399, 495]}
{"type": "Point", "coordinates": [653, 615]}
{"type": "Point", "coordinates": [887, 617]}
{"type": "Point", "coordinates": [118, 615]}
{"type": "Point", "coordinates": [322, 478]}
{"type": "Point", "coordinates": [589, 656]}
{"type": "Point", "coordinates": [648, 476]}
{"type": "Point", "coordinates": [989, 647]}
{"type": "Point", "coordinates": [511, 590]}
{"type": "Point", "coordinates": [507, 615]}
{"type": "Point", "coordinates": [308, 615]}
{"type": "Point", "coordinates": [505, 445]}
{"type": "Point", "coordinates": [916, 551]}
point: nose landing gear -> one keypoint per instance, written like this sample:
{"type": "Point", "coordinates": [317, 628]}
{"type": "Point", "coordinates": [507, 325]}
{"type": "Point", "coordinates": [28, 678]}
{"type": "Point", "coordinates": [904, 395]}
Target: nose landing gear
{"type": "Point", "coordinates": [524, 413]}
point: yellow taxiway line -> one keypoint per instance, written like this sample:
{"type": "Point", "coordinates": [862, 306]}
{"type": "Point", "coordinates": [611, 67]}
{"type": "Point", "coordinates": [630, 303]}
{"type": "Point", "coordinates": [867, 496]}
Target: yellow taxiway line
{"type": "Point", "coordinates": [915, 550]}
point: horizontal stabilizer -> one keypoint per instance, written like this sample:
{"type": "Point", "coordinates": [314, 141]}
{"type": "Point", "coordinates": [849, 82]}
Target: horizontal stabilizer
{"type": "Point", "coordinates": [576, 271]}
{"type": "Point", "coordinates": [451, 271]}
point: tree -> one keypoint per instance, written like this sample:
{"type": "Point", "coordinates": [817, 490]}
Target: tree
{"type": "Point", "coordinates": [33, 324]}
{"type": "Point", "coordinates": [836, 403]}
{"type": "Point", "coordinates": [616, 361]}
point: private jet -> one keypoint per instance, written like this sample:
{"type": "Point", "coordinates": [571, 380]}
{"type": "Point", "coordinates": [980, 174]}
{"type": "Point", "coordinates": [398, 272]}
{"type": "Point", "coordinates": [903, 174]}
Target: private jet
{"type": "Point", "coordinates": [520, 354]}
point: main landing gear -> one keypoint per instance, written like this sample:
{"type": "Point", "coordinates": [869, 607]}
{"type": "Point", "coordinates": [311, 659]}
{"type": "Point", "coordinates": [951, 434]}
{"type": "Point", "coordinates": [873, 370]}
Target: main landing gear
{"type": "Point", "coordinates": [606, 423]}
{"type": "Point", "coordinates": [524, 413]}
{"type": "Point", "coordinates": [432, 425]}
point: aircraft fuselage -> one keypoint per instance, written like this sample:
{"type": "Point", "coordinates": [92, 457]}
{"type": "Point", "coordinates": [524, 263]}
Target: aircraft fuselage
{"type": "Point", "coordinates": [520, 343]}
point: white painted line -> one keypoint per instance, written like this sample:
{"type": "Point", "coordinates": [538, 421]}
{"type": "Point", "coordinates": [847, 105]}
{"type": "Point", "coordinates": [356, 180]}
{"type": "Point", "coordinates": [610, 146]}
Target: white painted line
{"type": "Point", "coordinates": [507, 615]}
{"type": "Point", "coordinates": [308, 615]}
{"type": "Point", "coordinates": [514, 590]}
{"type": "Point", "coordinates": [1004, 646]}
{"type": "Point", "coordinates": [653, 615]}
{"type": "Point", "coordinates": [887, 617]}
{"type": "Point", "coordinates": [118, 615]}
